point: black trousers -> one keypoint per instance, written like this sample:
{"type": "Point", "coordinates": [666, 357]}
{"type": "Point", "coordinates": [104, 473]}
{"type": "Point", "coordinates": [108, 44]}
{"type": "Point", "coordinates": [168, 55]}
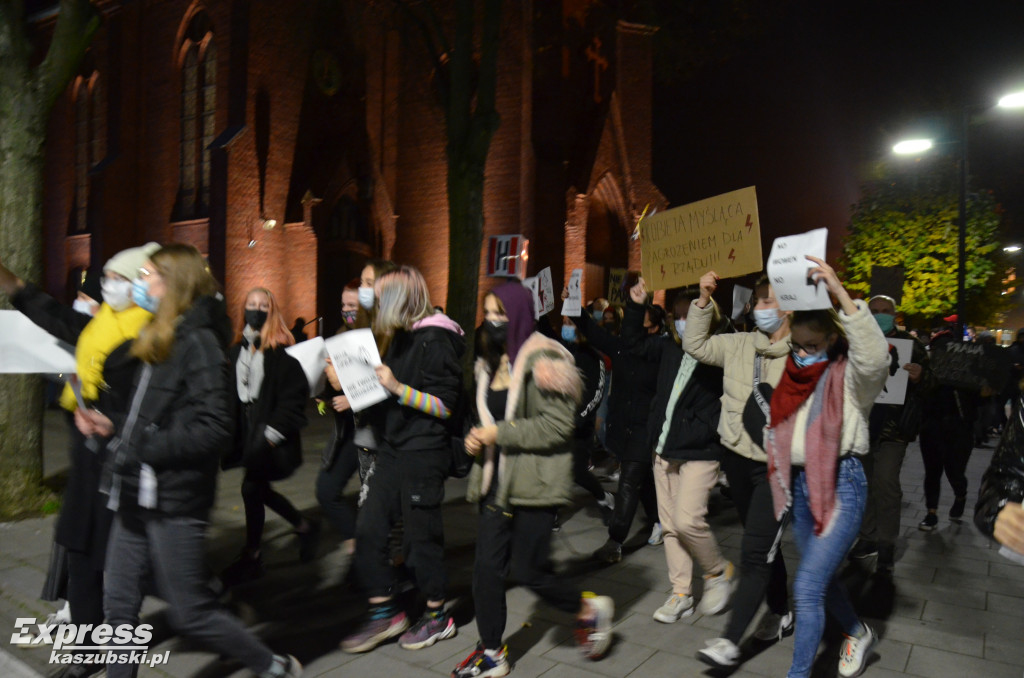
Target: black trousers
{"type": "Point", "coordinates": [514, 544]}
{"type": "Point", "coordinates": [257, 493]}
{"type": "Point", "coordinates": [407, 486]}
{"type": "Point", "coordinates": [636, 485]}
{"type": "Point", "coordinates": [581, 473]}
{"type": "Point", "coordinates": [764, 571]}
{"type": "Point", "coordinates": [330, 488]}
{"type": "Point", "coordinates": [946, 446]}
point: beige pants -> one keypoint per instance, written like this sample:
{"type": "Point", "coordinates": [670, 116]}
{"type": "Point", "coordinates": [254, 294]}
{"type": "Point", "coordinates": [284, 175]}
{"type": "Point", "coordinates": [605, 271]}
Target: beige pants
{"type": "Point", "coordinates": [683, 489]}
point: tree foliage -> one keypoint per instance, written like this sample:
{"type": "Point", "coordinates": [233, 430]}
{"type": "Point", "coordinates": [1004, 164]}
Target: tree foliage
{"type": "Point", "coordinates": [909, 217]}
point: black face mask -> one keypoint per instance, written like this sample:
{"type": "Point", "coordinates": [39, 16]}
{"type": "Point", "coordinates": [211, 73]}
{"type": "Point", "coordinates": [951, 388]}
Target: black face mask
{"type": "Point", "coordinates": [496, 332]}
{"type": "Point", "coordinates": [255, 318]}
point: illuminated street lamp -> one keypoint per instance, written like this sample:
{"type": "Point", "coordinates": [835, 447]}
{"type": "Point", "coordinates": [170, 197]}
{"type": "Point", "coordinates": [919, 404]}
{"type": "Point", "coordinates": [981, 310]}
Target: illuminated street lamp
{"type": "Point", "coordinates": [913, 146]}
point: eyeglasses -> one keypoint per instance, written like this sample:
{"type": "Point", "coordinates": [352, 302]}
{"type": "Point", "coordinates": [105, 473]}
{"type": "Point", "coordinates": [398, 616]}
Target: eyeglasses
{"type": "Point", "coordinates": [810, 349]}
{"type": "Point", "coordinates": [146, 273]}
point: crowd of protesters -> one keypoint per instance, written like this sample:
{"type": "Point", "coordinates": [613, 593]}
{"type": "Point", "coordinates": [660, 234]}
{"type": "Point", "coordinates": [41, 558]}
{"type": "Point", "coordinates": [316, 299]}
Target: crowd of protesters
{"type": "Point", "coordinates": [782, 416]}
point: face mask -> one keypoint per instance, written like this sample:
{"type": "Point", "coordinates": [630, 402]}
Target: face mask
{"type": "Point", "coordinates": [767, 319]}
{"type": "Point", "coordinates": [255, 318]}
{"type": "Point", "coordinates": [348, 317]}
{"type": "Point", "coordinates": [804, 361]}
{"type": "Point", "coordinates": [886, 322]}
{"type": "Point", "coordinates": [568, 334]}
{"type": "Point", "coordinates": [598, 316]}
{"type": "Point", "coordinates": [141, 296]}
{"type": "Point", "coordinates": [680, 326]}
{"type": "Point", "coordinates": [497, 330]}
{"type": "Point", "coordinates": [117, 293]}
{"type": "Point", "coordinates": [82, 306]}
{"type": "Point", "coordinates": [366, 297]}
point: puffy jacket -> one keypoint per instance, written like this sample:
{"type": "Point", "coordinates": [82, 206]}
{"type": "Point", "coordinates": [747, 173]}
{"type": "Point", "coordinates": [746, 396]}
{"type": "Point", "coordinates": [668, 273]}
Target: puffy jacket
{"type": "Point", "coordinates": [534, 466]}
{"type": "Point", "coordinates": [1003, 481]}
{"type": "Point", "coordinates": [735, 354]}
{"type": "Point", "coordinates": [183, 422]}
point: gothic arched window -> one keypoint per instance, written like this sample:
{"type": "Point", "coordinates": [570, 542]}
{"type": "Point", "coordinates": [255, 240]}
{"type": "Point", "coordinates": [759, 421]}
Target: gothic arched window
{"type": "Point", "coordinates": [87, 101]}
{"type": "Point", "coordinates": [198, 109]}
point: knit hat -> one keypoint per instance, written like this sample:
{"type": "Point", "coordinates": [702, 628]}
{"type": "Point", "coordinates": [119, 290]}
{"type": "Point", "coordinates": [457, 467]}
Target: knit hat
{"type": "Point", "coordinates": [128, 262]}
{"type": "Point", "coordinates": [518, 303]}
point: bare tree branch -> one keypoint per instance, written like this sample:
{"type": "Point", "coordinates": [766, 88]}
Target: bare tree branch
{"type": "Point", "coordinates": [77, 22]}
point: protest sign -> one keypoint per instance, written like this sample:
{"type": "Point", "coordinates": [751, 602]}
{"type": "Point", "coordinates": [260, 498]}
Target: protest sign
{"type": "Point", "coordinates": [573, 304]}
{"type": "Point", "coordinates": [788, 271]}
{"type": "Point", "coordinates": [545, 292]}
{"type": "Point", "coordinates": [533, 285]}
{"type": "Point", "coordinates": [895, 390]}
{"type": "Point", "coordinates": [740, 297]}
{"type": "Point", "coordinates": [312, 356]}
{"type": "Point", "coordinates": [354, 354]}
{"type": "Point", "coordinates": [971, 366]}
{"type": "Point", "coordinates": [26, 348]}
{"type": "Point", "coordinates": [722, 234]}
{"type": "Point", "coordinates": [506, 256]}
{"type": "Point", "coordinates": [618, 293]}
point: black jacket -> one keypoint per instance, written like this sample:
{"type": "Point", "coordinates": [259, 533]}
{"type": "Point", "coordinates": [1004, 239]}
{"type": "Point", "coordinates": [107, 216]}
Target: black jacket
{"type": "Point", "coordinates": [184, 418]}
{"type": "Point", "coordinates": [281, 405]}
{"type": "Point", "coordinates": [1004, 480]}
{"type": "Point", "coordinates": [693, 431]}
{"type": "Point", "coordinates": [428, 359]}
{"type": "Point", "coordinates": [633, 384]}
{"type": "Point", "coordinates": [902, 422]}
{"type": "Point", "coordinates": [58, 319]}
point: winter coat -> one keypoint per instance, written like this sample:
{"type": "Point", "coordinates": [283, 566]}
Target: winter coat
{"type": "Point", "coordinates": [281, 405]}
{"type": "Point", "coordinates": [183, 421]}
{"type": "Point", "coordinates": [534, 464]}
{"type": "Point", "coordinates": [944, 402]}
{"type": "Point", "coordinates": [1003, 481]}
{"type": "Point", "coordinates": [633, 384]}
{"type": "Point", "coordinates": [693, 427]}
{"type": "Point", "coordinates": [735, 354]}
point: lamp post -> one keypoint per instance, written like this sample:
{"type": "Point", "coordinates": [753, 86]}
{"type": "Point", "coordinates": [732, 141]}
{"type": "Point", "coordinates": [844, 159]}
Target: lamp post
{"type": "Point", "coordinates": [915, 146]}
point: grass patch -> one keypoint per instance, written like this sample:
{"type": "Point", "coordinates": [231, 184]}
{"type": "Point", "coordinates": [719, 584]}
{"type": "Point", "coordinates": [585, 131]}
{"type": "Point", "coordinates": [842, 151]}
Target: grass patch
{"type": "Point", "coordinates": [21, 497]}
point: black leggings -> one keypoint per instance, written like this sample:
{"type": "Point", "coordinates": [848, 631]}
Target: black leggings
{"type": "Point", "coordinates": [946, 445]}
{"type": "Point", "coordinates": [330, 488]}
{"type": "Point", "coordinates": [636, 486]}
{"type": "Point", "coordinates": [257, 493]}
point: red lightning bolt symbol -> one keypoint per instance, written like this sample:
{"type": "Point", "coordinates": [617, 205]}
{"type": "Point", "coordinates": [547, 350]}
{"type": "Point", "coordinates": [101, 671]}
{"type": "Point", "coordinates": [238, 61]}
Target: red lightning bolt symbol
{"type": "Point", "coordinates": [750, 223]}
{"type": "Point", "coordinates": [663, 270]}
{"type": "Point", "coordinates": [732, 254]}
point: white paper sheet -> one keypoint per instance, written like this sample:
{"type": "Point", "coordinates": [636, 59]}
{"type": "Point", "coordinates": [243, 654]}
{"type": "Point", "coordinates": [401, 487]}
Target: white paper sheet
{"type": "Point", "coordinates": [740, 296]}
{"type": "Point", "coordinates": [545, 292]}
{"type": "Point", "coordinates": [788, 267]}
{"type": "Point", "coordinates": [895, 390]}
{"type": "Point", "coordinates": [573, 304]}
{"type": "Point", "coordinates": [354, 355]}
{"type": "Point", "coordinates": [312, 355]}
{"type": "Point", "coordinates": [26, 348]}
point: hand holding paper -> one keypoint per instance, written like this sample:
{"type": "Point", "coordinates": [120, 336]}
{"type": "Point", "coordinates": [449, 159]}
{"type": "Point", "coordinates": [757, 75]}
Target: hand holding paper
{"type": "Point", "coordinates": [826, 274]}
{"type": "Point", "coordinates": [387, 379]}
{"type": "Point", "coordinates": [93, 423]}
{"type": "Point", "coordinates": [1009, 527]}
{"type": "Point", "coordinates": [638, 292]}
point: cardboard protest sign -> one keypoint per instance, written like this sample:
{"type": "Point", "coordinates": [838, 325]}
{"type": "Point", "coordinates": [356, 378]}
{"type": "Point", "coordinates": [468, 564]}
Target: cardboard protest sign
{"type": "Point", "coordinates": [312, 356]}
{"type": "Point", "coordinates": [573, 304]}
{"type": "Point", "coordinates": [618, 293]}
{"type": "Point", "coordinates": [354, 354]}
{"type": "Point", "coordinates": [740, 296]}
{"type": "Point", "coordinates": [680, 245]}
{"type": "Point", "coordinates": [506, 256]}
{"type": "Point", "coordinates": [545, 292]}
{"type": "Point", "coordinates": [26, 348]}
{"type": "Point", "coordinates": [971, 366]}
{"type": "Point", "coordinates": [788, 267]}
{"type": "Point", "coordinates": [895, 390]}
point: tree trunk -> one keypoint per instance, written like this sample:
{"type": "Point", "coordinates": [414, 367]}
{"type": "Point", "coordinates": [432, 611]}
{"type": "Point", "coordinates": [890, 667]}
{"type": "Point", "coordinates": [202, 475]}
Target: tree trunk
{"type": "Point", "coordinates": [465, 238]}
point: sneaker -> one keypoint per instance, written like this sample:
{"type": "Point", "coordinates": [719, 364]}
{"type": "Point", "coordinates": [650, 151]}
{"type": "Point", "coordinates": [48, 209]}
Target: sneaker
{"type": "Point", "coordinates": [929, 522]}
{"type": "Point", "coordinates": [245, 569]}
{"type": "Point", "coordinates": [774, 627]}
{"type": "Point", "coordinates": [956, 511]}
{"type": "Point", "coordinates": [427, 631]}
{"type": "Point", "coordinates": [675, 608]}
{"type": "Point", "coordinates": [283, 666]}
{"type": "Point", "coordinates": [718, 590]}
{"type": "Point", "coordinates": [611, 552]}
{"type": "Point", "coordinates": [594, 629]}
{"type": "Point", "coordinates": [608, 502]}
{"type": "Point", "coordinates": [720, 652]}
{"type": "Point", "coordinates": [309, 541]}
{"type": "Point", "coordinates": [614, 476]}
{"type": "Point", "coordinates": [481, 665]}
{"type": "Point", "coordinates": [864, 548]}
{"type": "Point", "coordinates": [557, 525]}
{"type": "Point", "coordinates": [55, 623]}
{"type": "Point", "coordinates": [853, 655]}
{"type": "Point", "coordinates": [380, 626]}
{"type": "Point", "coordinates": [657, 535]}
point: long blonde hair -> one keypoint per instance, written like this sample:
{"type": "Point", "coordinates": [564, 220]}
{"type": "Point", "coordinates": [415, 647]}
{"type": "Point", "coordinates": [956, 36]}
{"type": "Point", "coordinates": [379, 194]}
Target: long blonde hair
{"type": "Point", "coordinates": [186, 277]}
{"type": "Point", "coordinates": [274, 332]}
{"type": "Point", "coordinates": [403, 300]}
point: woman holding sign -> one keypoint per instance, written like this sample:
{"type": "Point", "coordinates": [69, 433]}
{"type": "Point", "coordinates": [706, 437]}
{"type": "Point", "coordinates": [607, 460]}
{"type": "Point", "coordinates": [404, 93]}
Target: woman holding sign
{"type": "Point", "coordinates": [270, 391]}
{"type": "Point", "coordinates": [422, 371]}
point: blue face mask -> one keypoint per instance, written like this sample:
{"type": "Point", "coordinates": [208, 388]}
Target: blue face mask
{"type": "Point", "coordinates": [886, 322]}
{"type": "Point", "coordinates": [568, 334]}
{"type": "Point", "coordinates": [813, 358]}
{"type": "Point", "coordinates": [141, 296]}
{"type": "Point", "coordinates": [366, 297]}
{"type": "Point", "coordinates": [598, 316]}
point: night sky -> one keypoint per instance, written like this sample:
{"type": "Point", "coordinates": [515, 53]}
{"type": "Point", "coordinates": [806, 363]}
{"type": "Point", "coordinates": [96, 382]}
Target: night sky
{"type": "Point", "coordinates": [807, 106]}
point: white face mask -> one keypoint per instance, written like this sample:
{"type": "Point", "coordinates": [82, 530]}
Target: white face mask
{"type": "Point", "coordinates": [117, 293]}
{"type": "Point", "coordinates": [366, 297]}
{"type": "Point", "coordinates": [767, 319]}
{"type": "Point", "coordinates": [83, 306]}
{"type": "Point", "coordinates": [680, 326]}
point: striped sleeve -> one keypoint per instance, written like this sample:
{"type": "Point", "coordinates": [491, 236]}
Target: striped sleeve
{"type": "Point", "coordinates": [424, 402]}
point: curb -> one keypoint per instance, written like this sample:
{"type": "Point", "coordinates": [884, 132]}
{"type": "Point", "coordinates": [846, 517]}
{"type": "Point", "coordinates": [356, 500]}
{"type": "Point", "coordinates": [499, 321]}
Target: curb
{"type": "Point", "coordinates": [12, 667]}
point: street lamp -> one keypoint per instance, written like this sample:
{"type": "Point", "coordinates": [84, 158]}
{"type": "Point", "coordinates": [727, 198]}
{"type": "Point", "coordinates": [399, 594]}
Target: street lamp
{"type": "Point", "coordinates": [913, 146]}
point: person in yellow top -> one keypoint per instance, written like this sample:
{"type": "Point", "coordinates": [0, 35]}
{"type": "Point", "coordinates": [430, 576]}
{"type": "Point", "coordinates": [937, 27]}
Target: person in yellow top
{"type": "Point", "coordinates": [84, 521]}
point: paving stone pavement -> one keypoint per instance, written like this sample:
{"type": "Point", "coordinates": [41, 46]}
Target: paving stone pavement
{"type": "Point", "coordinates": [955, 607]}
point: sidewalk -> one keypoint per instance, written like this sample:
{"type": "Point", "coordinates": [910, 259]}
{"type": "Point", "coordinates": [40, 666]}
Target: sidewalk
{"type": "Point", "coordinates": [957, 609]}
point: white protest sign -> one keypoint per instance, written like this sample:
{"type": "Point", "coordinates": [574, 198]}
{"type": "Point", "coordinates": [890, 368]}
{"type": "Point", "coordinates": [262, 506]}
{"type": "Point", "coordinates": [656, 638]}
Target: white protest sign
{"type": "Point", "coordinates": [545, 292]}
{"type": "Point", "coordinates": [895, 390]}
{"type": "Point", "coordinates": [740, 296]}
{"type": "Point", "coordinates": [532, 285]}
{"type": "Point", "coordinates": [788, 267]}
{"type": "Point", "coordinates": [354, 354]}
{"type": "Point", "coordinates": [26, 348]}
{"type": "Point", "coordinates": [573, 304]}
{"type": "Point", "coordinates": [312, 355]}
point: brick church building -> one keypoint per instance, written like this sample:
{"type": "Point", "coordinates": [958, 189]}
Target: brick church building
{"type": "Point", "coordinates": [290, 141]}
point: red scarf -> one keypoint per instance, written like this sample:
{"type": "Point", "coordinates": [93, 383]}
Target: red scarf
{"type": "Point", "coordinates": [821, 439]}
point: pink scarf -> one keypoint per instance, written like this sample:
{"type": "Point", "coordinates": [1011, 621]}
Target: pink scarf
{"type": "Point", "coordinates": [821, 445]}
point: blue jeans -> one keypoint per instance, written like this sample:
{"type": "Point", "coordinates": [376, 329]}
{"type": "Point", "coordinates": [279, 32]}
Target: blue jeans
{"type": "Point", "coordinates": [817, 585]}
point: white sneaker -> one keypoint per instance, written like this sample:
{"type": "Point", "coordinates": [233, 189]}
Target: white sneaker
{"type": "Point", "coordinates": [657, 535]}
{"type": "Point", "coordinates": [675, 608]}
{"type": "Point", "coordinates": [720, 653]}
{"type": "Point", "coordinates": [853, 655]}
{"type": "Point", "coordinates": [718, 591]}
{"type": "Point", "coordinates": [608, 502]}
{"type": "Point", "coordinates": [594, 630]}
{"type": "Point", "coordinates": [54, 623]}
{"type": "Point", "coordinates": [774, 626]}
